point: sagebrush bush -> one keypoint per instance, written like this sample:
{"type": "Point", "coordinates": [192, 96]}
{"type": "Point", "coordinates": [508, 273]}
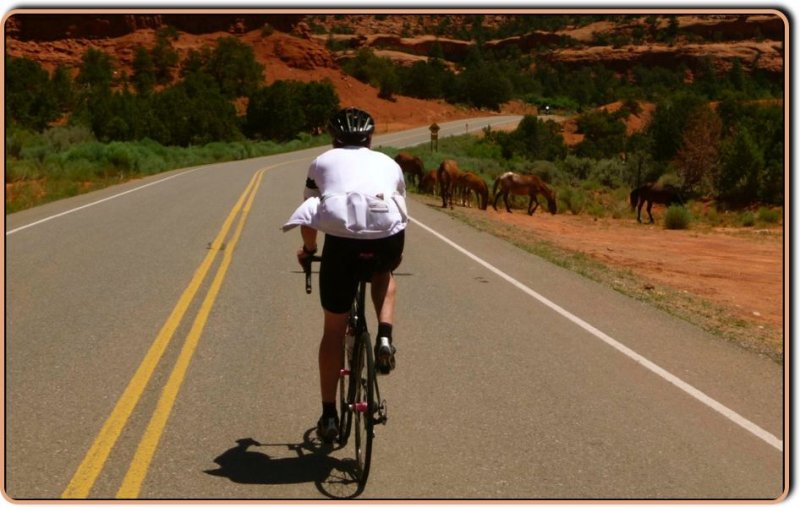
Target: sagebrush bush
{"type": "Point", "coordinates": [748, 219]}
{"type": "Point", "coordinates": [19, 170]}
{"type": "Point", "coordinates": [596, 210]}
{"type": "Point", "coordinates": [571, 199]}
{"type": "Point", "coordinates": [677, 217]}
{"type": "Point", "coordinates": [713, 217]}
{"type": "Point", "coordinates": [62, 138]}
{"type": "Point", "coordinates": [769, 216]}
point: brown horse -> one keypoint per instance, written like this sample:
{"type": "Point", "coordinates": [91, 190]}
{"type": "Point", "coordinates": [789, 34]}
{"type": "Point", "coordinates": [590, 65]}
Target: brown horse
{"type": "Point", "coordinates": [523, 184]}
{"type": "Point", "coordinates": [447, 174]}
{"type": "Point", "coordinates": [651, 193]}
{"type": "Point", "coordinates": [411, 166]}
{"type": "Point", "coordinates": [471, 182]}
{"type": "Point", "coordinates": [428, 183]}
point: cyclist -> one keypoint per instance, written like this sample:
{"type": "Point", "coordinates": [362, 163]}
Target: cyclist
{"type": "Point", "coordinates": [356, 196]}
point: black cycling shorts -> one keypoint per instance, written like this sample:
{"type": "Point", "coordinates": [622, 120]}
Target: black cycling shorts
{"type": "Point", "coordinates": [343, 261]}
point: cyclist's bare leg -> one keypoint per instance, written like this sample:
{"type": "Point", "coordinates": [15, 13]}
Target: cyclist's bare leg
{"type": "Point", "coordinates": [330, 354]}
{"type": "Point", "coordinates": [384, 290]}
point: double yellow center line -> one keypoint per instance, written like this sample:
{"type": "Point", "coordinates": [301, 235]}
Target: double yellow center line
{"type": "Point", "coordinates": [82, 482]}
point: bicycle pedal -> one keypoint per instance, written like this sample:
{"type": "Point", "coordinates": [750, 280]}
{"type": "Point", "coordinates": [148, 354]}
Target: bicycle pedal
{"type": "Point", "coordinates": [383, 412]}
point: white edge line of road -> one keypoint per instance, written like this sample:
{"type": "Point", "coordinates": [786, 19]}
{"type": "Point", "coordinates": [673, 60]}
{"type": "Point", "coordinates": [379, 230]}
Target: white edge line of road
{"type": "Point", "coordinates": [689, 389]}
{"type": "Point", "coordinates": [12, 231]}
{"type": "Point", "coordinates": [669, 377]}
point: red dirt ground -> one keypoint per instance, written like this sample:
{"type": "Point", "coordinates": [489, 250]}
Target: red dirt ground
{"type": "Point", "coordinates": [739, 269]}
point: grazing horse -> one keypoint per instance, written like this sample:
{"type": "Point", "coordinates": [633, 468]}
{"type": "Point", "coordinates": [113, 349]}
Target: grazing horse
{"type": "Point", "coordinates": [428, 183]}
{"type": "Point", "coordinates": [651, 193]}
{"type": "Point", "coordinates": [411, 166]}
{"type": "Point", "coordinates": [471, 182]}
{"type": "Point", "coordinates": [447, 174]}
{"type": "Point", "coordinates": [523, 184]}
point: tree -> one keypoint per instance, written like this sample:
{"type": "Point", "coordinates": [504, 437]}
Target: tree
{"type": "Point", "coordinates": [164, 56]}
{"type": "Point", "coordinates": [276, 111]}
{"type": "Point", "coordinates": [233, 65]}
{"type": "Point", "coordinates": [375, 71]}
{"type": "Point", "coordinates": [30, 101]}
{"type": "Point", "coordinates": [320, 102]}
{"type": "Point", "coordinates": [604, 135]}
{"type": "Point", "coordinates": [483, 86]}
{"type": "Point", "coordinates": [63, 89]}
{"type": "Point", "coordinates": [697, 159]}
{"type": "Point", "coordinates": [195, 61]}
{"type": "Point", "coordinates": [738, 181]}
{"type": "Point", "coordinates": [144, 71]}
{"type": "Point", "coordinates": [669, 122]}
{"type": "Point", "coordinates": [421, 80]}
{"type": "Point", "coordinates": [96, 71]}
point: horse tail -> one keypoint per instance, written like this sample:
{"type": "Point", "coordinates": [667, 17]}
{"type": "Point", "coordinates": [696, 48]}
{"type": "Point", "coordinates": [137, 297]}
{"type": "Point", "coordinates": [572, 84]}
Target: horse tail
{"type": "Point", "coordinates": [494, 187]}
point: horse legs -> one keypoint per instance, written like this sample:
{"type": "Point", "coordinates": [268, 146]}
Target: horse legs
{"type": "Point", "coordinates": [639, 211]}
{"type": "Point", "coordinates": [443, 192]}
{"type": "Point", "coordinates": [494, 203]}
{"type": "Point", "coordinates": [531, 206]}
{"type": "Point", "coordinates": [505, 200]}
{"type": "Point", "coordinates": [649, 207]}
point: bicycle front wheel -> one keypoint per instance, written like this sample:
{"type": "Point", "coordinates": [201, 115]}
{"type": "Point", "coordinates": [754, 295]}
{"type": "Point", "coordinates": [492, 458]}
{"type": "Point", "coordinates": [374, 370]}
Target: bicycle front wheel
{"type": "Point", "coordinates": [363, 406]}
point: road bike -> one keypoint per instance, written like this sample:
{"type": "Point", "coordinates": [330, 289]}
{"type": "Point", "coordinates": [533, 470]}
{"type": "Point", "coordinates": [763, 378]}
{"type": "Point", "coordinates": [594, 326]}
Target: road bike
{"type": "Point", "coordinates": [360, 404]}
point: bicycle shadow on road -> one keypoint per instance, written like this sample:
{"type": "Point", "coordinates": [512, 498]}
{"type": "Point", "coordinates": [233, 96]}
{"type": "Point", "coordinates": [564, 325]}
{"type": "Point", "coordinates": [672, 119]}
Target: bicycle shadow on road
{"type": "Point", "coordinates": [311, 463]}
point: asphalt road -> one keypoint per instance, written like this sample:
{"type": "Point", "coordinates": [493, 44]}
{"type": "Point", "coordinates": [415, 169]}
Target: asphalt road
{"type": "Point", "coordinates": [160, 345]}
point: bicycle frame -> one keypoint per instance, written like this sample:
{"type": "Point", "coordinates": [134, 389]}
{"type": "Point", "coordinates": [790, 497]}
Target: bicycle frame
{"type": "Point", "coordinates": [359, 401]}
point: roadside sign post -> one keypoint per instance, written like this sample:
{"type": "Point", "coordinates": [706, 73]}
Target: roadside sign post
{"type": "Point", "coordinates": [434, 128]}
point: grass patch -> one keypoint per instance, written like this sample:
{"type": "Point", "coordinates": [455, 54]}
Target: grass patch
{"type": "Point", "coordinates": [67, 161]}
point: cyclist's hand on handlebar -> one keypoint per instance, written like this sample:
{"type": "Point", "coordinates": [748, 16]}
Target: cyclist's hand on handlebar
{"type": "Point", "coordinates": [304, 254]}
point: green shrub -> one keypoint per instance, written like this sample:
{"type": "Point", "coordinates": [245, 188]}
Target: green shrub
{"type": "Point", "coordinates": [590, 185]}
{"type": "Point", "coordinates": [769, 216]}
{"type": "Point", "coordinates": [609, 172]}
{"type": "Point", "coordinates": [545, 170]}
{"type": "Point", "coordinates": [620, 209]}
{"type": "Point", "coordinates": [677, 217]}
{"type": "Point", "coordinates": [748, 219]}
{"type": "Point", "coordinates": [35, 152]}
{"type": "Point", "coordinates": [62, 138]}
{"type": "Point", "coordinates": [713, 217]}
{"type": "Point", "coordinates": [596, 210]}
{"type": "Point", "coordinates": [79, 170]}
{"type": "Point", "coordinates": [121, 156]}
{"type": "Point", "coordinates": [19, 170]}
{"type": "Point", "coordinates": [571, 199]}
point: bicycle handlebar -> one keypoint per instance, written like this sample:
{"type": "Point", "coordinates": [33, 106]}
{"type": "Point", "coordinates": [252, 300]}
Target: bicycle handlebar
{"type": "Point", "coordinates": [307, 269]}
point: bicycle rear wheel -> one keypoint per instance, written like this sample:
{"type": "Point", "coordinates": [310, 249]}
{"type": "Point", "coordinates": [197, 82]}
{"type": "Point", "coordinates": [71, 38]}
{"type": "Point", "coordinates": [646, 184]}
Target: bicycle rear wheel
{"type": "Point", "coordinates": [345, 391]}
{"type": "Point", "coordinates": [363, 405]}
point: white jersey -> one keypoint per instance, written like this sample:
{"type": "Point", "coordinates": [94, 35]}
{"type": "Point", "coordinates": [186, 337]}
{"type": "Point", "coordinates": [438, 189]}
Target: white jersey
{"type": "Point", "coordinates": [353, 192]}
